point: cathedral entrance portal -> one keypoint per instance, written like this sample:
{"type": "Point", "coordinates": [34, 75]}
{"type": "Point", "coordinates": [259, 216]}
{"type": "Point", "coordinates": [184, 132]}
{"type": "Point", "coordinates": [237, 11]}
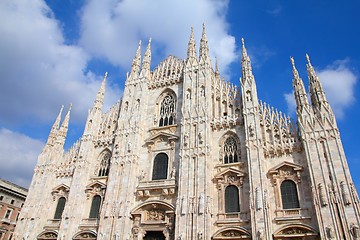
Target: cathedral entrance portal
{"type": "Point", "coordinates": [154, 235]}
{"type": "Point", "coordinates": [153, 220]}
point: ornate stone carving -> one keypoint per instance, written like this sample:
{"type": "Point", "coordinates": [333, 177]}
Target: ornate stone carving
{"type": "Point", "coordinates": [345, 193]}
{"type": "Point", "coordinates": [155, 215]}
{"type": "Point", "coordinates": [355, 231]}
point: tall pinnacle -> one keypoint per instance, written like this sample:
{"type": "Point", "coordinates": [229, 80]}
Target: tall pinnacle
{"type": "Point", "coordinates": [216, 67]}
{"type": "Point", "coordinates": [65, 123]}
{"type": "Point", "coordinates": [245, 63]}
{"type": "Point", "coordinates": [55, 128]}
{"type": "Point", "coordinates": [99, 101]}
{"type": "Point", "coordinates": [147, 58]}
{"type": "Point", "coordinates": [204, 49]}
{"type": "Point", "coordinates": [61, 136]}
{"type": "Point", "coordinates": [191, 53]}
{"type": "Point", "coordinates": [135, 67]}
{"type": "Point", "coordinates": [299, 89]}
{"type": "Point", "coordinates": [317, 94]}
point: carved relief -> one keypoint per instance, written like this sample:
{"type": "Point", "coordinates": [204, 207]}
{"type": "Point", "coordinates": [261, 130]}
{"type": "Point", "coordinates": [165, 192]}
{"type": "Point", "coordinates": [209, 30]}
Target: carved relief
{"type": "Point", "coordinates": [155, 215]}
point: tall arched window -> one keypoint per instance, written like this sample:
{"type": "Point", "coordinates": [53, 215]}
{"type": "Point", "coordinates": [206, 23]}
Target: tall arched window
{"type": "Point", "coordinates": [160, 167]}
{"type": "Point", "coordinates": [95, 207]}
{"type": "Point", "coordinates": [60, 208]}
{"type": "Point", "coordinates": [230, 150]}
{"type": "Point", "coordinates": [232, 199]}
{"type": "Point", "coordinates": [105, 164]}
{"type": "Point", "coordinates": [167, 111]}
{"type": "Point", "coordinates": [289, 195]}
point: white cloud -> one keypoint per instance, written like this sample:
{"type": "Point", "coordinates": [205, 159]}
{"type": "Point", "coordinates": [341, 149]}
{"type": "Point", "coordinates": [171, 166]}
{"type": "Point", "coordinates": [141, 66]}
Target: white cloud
{"type": "Point", "coordinates": [39, 67]}
{"type": "Point", "coordinates": [338, 81]}
{"type": "Point", "coordinates": [18, 156]}
{"type": "Point", "coordinates": [111, 29]}
{"type": "Point", "coordinates": [290, 101]}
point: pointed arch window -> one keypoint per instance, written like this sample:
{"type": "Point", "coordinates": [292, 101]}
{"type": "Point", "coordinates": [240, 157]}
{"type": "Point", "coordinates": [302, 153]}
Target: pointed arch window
{"type": "Point", "coordinates": [105, 164]}
{"type": "Point", "coordinates": [230, 150]}
{"type": "Point", "coordinates": [60, 208]}
{"type": "Point", "coordinates": [167, 111]}
{"type": "Point", "coordinates": [95, 207]}
{"type": "Point", "coordinates": [232, 199]}
{"type": "Point", "coordinates": [289, 195]}
{"type": "Point", "coordinates": [160, 167]}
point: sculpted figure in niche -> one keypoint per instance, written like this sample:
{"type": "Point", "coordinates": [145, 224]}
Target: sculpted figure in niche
{"type": "Point", "coordinates": [186, 139]}
{"type": "Point", "coordinates": [355, 231]}
{"type": "Point", "coordinates": [173, 173]}
{"type": "Point", "coordinates": [330, 232]}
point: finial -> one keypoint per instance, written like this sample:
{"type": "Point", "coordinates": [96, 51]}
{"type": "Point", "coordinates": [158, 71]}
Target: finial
{"type": "Point", "coordinates": [70, 107]}
{"type": "Point", "coordinates": [105, 76]}
{"type": "Point", "coordinates": [204, 29]}
{"type": "Point", "coordinates": [244, 53]}
{"type": "Point", "coordinates": [292, 62]}
{"type": "Point", "coordinates": [308, 58]}
{"type": "Point", "coordinates": [61, 109]}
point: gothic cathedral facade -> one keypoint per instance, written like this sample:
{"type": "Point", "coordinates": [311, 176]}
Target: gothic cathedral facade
{"type": "Point", "coordinates": [186, 155]}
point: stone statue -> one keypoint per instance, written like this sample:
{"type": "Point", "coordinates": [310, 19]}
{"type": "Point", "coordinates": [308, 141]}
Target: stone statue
{"type": "Point", "coordinates": [173, 173]}
{"type": "Point", "coordinates": [355, 232]}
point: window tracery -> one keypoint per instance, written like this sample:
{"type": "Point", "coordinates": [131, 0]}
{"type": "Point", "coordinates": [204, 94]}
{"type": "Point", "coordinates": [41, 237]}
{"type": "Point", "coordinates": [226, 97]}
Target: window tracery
{"type": "Point", "coordinates": [167, 111]}
{"type": "Point", "coordinates": [104, 164]}
{"type": "Point", "coordinates": [229, 149]}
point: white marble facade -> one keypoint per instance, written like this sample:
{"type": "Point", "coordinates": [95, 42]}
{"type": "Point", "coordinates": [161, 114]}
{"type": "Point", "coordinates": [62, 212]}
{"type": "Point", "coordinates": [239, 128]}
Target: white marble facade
{"type": "Point", "coordinates": [186, 155]}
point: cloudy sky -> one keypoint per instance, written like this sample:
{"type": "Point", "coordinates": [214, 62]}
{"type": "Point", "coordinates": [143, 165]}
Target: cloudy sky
{"type": "Point", "coordinates": [56, 52]}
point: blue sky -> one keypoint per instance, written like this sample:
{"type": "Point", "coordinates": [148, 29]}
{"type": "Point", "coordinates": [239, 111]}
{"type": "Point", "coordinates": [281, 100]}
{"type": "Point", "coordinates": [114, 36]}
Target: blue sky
{"type": "Point", "coordinates": [56, 52]}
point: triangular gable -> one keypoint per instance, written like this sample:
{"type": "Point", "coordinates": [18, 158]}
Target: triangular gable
{"type": "Point", "coordinates": [230, 171]}
{"type": "Point", "coordinates": [168, 136]}
{"type": "Point", "coordinates": [62, 186]}
{"type": "Point", "coordinates": [96, 184]}
{"type": "Point", "coordinates": [294, 166]}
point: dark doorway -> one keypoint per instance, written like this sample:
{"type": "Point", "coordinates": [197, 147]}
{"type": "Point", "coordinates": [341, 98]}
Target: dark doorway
{"type": "Point", "coordinates": [154, 235]}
